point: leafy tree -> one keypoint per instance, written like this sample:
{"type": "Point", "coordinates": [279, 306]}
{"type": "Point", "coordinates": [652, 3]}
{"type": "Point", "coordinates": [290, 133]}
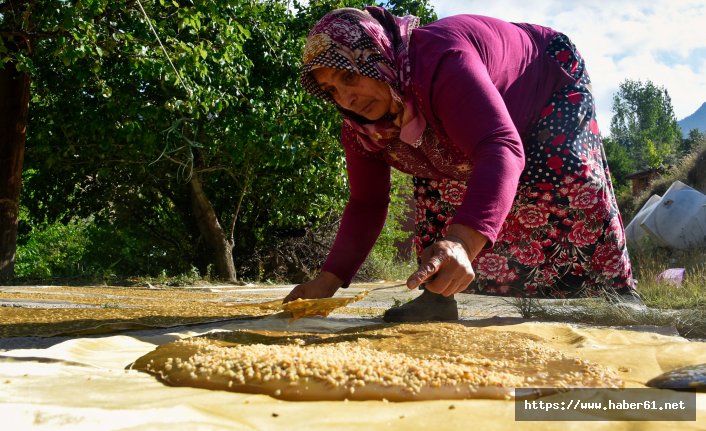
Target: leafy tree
{"type": "Point", "coordinates": [116, 131]}
{"type": "Point", "coordinates": [656, 156]}
{"type": "Point", "coordinates": [644, 123]}
{"type": "Point", "coordinates": [419, 8]}
{"type": "Point", "coordinates": [692, 141]}
{"type": "Point", "coordinates": [188, 167]}
{"type": "Point", "coordinates": [620, 163]}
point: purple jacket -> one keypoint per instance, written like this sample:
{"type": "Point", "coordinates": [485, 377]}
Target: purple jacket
{"type": "Point", "coordinates": [480, 83]}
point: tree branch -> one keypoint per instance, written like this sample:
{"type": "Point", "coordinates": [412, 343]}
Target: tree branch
{"type": "Point", "coordinates": [12, 35]}
{"type": "Point", "coordinates": [236, 212]}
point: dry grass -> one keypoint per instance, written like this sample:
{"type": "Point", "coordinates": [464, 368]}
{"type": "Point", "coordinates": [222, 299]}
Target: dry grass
{"type": "Point", "coordinates": [649, 261]}
{"type": "Point", "coordinates": [689, 323]}
{"type": "Point", "coordinates": [681, 307]}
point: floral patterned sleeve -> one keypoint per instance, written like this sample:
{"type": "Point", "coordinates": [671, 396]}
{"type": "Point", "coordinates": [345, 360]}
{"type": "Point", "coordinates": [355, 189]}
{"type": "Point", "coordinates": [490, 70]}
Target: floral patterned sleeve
{"type": "Point", "coordinates": [365, 213]}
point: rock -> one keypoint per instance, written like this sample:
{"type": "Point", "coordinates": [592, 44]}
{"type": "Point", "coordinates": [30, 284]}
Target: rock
{"type": "Point", "coordinates": [691, 377]}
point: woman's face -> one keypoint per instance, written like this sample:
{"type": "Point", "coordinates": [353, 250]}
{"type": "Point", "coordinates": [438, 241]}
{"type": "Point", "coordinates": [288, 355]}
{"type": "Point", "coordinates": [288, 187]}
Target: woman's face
{"type": "Point", "coordinates": [365, 96]}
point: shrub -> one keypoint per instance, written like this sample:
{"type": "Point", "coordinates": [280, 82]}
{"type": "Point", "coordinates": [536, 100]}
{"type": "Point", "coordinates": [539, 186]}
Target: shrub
{"type": "Point", "coordinates": [54, 250]}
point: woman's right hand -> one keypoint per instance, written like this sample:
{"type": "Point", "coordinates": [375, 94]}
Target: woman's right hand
{"type": "Point", "coordinates": [323, 286]}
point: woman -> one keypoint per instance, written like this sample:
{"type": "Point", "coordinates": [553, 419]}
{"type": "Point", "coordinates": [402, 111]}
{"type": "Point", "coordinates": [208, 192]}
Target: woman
{"type": "Point", "coordinates": [496, 123]}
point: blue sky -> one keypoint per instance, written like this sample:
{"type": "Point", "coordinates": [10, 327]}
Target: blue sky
{"type": "Point", "coordinates": [663, 41]}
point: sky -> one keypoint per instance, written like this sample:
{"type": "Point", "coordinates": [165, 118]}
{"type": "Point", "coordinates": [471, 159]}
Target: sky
{"type": "Point", "coordinates": [663, 41]}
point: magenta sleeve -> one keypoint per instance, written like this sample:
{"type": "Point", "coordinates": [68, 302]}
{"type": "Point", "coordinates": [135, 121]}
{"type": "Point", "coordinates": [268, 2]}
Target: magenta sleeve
{"type": "Point", "coordinates": [474, 116]}
{"type": "Point", "coordinates": [365, 213]}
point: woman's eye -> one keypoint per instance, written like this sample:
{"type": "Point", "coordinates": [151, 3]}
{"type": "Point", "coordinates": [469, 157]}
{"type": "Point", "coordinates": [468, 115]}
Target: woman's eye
{"type": "Point", "coordinates": [349, 77]}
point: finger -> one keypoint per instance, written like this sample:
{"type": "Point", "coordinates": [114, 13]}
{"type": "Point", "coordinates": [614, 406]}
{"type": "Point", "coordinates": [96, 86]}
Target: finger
{"type": "Point", "coordinates": [444, 274]}
{"type": "Point", "coordinates": [451, 279]}
{"type": "Point", "coordinates": [426, 271]}
{"type": "Point", "coordinates": [447, 281]}
{"type": "Point", "coordinates": [447, 290]}
{"type": "Point", "coordinates": [439, 282]}
{"type": "Point", "coordinates": [463, 284]}
{"type": "Point", "coordinates": [442, 288]}
{"type": "Point", "coordinates": [454, 287]}
{"type": "Point", "coordinates": [293, 295]}
{"type": "Point", "coordinates": [468, 281]}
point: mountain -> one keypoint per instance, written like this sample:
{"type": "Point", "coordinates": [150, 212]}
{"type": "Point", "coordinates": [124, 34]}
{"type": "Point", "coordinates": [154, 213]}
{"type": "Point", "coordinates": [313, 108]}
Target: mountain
{"type": "Point", "coordinates": [697, 120]}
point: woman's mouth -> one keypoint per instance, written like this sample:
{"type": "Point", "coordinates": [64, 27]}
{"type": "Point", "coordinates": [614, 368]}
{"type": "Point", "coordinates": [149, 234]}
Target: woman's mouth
{"type": "Point", "coordinates": [366, 109]}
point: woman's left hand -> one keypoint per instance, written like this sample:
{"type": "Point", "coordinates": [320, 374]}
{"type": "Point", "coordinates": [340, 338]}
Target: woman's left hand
{"type": "Point", "coordinates": [446, 265]}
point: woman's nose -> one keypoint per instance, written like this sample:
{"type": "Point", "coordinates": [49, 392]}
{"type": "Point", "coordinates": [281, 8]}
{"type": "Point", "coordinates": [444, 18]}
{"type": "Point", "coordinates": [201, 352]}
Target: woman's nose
{"type": "Point", "coordinates": [346, 98]}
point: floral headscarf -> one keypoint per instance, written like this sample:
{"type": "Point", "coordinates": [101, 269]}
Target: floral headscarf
{"type": "Point", "coordinates": [373, 43]}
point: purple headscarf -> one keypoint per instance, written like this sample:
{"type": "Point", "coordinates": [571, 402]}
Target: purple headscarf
{"type": "Point", "coordinates": [373, 43]}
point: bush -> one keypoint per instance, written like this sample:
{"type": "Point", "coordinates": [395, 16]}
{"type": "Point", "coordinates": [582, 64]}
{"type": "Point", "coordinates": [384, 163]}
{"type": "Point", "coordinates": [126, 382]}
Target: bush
{"type": "Point", "coordinates": [87, 249]}
{"type": "Point", "coordinates": [690, 170]}
{"type": "Point", "coordinates": [54, 250]}
{"type": "Point", "coordinates": [296, 257]}
{"type": "Point", "coordinates": [384, 261]}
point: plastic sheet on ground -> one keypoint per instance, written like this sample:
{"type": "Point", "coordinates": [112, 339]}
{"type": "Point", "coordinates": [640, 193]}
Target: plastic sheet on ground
{"type": "Point", "coordinates": [83, 384]}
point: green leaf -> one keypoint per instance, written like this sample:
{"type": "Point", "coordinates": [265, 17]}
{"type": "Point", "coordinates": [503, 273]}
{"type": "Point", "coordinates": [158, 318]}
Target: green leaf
{"type": "Point", "coordinates": [243, 30]}
{"type": "Point", "coordinates": [249, 125]}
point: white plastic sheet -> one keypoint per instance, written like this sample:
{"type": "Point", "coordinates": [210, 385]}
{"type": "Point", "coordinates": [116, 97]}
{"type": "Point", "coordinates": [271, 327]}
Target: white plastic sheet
{"type": "Point", "coordinates": [676, 220]}
{"type": "Point", "coordinates": [634, 232]}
